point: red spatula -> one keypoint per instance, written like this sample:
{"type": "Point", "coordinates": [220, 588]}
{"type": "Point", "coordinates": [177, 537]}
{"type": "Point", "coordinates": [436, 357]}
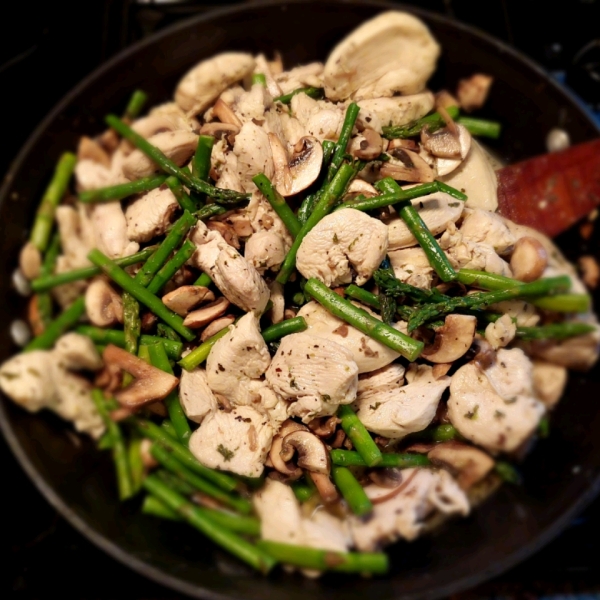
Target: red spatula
{"type": "Point", "coordinates": [553, 191]}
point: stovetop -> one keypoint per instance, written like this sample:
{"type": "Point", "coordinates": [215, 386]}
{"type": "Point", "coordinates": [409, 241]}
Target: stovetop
{"type": "Point", "coordinates": [44, 56]}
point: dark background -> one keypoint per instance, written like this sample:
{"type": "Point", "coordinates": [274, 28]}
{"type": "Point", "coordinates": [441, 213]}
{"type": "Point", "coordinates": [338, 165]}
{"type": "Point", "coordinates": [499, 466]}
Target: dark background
{"type": "Point", "coordinates": [46, 48]}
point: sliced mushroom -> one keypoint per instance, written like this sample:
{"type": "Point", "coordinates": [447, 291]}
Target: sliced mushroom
{"type": "Point", "coordinates": [303, 168]}
{"type": "Point", "coordinates": [206, 314]}
{"type": "Point", "coordinates": [312, 453]}
{"type": "Point", "coordinates": [103, 305]}
{"type": "Point", "coordinates": [216, 326]}
{"type": "Point", "coordinates": [469, 464]}
{"type": "Point", "coordinates": [324, 427]}
{"type": "Point", "coordinates": [30, 261]}
{"type": "Point", "coordinates": [285, 466]}
{"type": "Point", "coordinates": [225, 113]}
{"type": "Point", "coordinates": [472, 92]}
{"type": "Point", "coordinates": [529, 259]}
{"type": "Point", "coordinates": [401, 143]}
{"type": "Point", "coordinates": [150, 384]}
{"type": "Point", "coordinates": [89, 149]}
{"type": "Point", "coordinates": [184, 298]}
{"type": "Point", "coordinates": [221, 130]}
{"type": "Point", "coordinates": [441, 143]}
{"type": "Point", "coordinates": [326, 489]}
{"type": "Point", "coordinates": [360, 186]}
{"type": "Point", "coordinates": [367, 146]}
{"type": "Point", "coordinates": [407, 166]}
{"type": "Point", "coordinates": [452, 340]}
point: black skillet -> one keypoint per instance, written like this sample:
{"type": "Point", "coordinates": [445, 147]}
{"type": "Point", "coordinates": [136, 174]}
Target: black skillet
{"type": "Point", "coordinates": [561, 475]}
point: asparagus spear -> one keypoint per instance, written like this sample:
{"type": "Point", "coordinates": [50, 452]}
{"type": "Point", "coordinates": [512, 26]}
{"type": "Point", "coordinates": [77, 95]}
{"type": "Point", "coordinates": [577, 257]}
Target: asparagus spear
{"type": "Point", "coordinates": [44, 218]}
{"type": "Point", "coordinates": [44, 300]}
{"type": "Point", "coordinates": [342, 143]}
{"type": "Point", "coordinates": [201, 160]}
{"type": "Point", "coordinates": [204, 280]}
{"type": "Point", "coordinates": [277, 201]}
{"type": "Point", "coordinates": [349, 458]}
{"type": "Point", "coordinates": [351, 490]}
{"type": "Point", "coordinates": [165, 274]}
{"type": "Point", "coordinates": [180, 194]}
{"type": "Point", "coordinates": [480, 127]}
{"type": "Point", "coordinates": [168, 166]}
{"type": "Point", "coordinates": [433, 122]}
{"type": "Point", "coordinates": [135, 105]}
{"type": "Point", "coordinates": [279, 330]}
{"type": "Point", "coordinates": [122, 190]}
{"type": "Point", "coordinates": [239, 547]}
{"type": "Point", "coordinates": [554, 331]}
{"type": "Point", "coordinates": [259, 78]}
{"type": "Point", "coordinates": [208, 211]}
{"type": "Point", "coordinates": [312, 92]}
{"type": "Point", "coordinates": [361, 438]}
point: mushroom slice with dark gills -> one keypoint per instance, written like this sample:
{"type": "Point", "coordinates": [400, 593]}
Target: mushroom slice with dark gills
{"type": "Point", "coordinates": [367, 145]}
{"type": "Point", "coordinates": [285, 466]}
{"type": "Point", "coordinates": [449, 147]}
{"type": "Point", "coordinates": [452, 340]}
{"type": "Point", "coordinates": [468, 464]}
{"type": "Point", "coordinates": [315, 374]}
{"type": "Point", "coordinates": [345, 242]}
{"type": "Point", "coordinates": [311, 451]}
{"type": "Point", "coordinates": [406, 165]}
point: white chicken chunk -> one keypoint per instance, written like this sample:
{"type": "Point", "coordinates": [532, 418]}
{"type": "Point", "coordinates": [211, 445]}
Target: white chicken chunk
{"type": "Point", "coordinates": [236, 441]}
{"type": "Point", "coordinates": [392, 53]}
{"type": "Point", "coordinates": [437, 211]}
{"type": "Point", "coordinates": [237, 279]}
{"type": "Point", "coordinates": [367, 353]}
{"type": "Point", "coordinates": [203, 83]}
{"type": "Point", "coordinates": [110, 230]}
{"type": "Point", "coordinates": [382, 380]}
{"type": "Point", "coordinates": [76, 235]}
{"type": "Point", "coordinates": [77, 352]}
{"type": "Point", "coordinates": [496, 408]}
{"type": "Point", "coordinates": [483, 226]}
{"type": "Point", "coordinates": [402, 515]}
{"type": "Point", "coordinates": [345, 242]}
{"type": "Point", "coordinates": [265, 250]}
{"type": "Point", "coordinates": [549, 382]}
{"type": "Point", "coordinates": [254, 156]}
{"type": "Point", "coordinates": [412, 266]}
{"type": "Point", "coordinates": [310, 75]}
{"type": "Point", "coordinates": [377, 113]}
{"type": "Point", "coordinates": [150, 215]}
{"type": "Point", "coordinates": [320, 119]}
{"type": "Point", "coordinates": [314, 373]}
{"type": "Point", "coordinates": [240, 356]}
{"type": "Point", "coordinates": [394, 412]}
{"type": "Point", "coordinates": [501, 333]}
{"type": "Point", "coordinates": [197, 399]}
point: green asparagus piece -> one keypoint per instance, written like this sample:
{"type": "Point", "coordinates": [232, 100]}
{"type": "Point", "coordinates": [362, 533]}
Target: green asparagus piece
{"type": "Point", "coordinates": [160, 360]}
{"type": "Point", "coordinates": [543, 428]}
{"type": "Point", "coordinates": [169, 334]}
{"type": "Point", "coordinates": [136, 464]}
{"type": "Point", "coordinates": [199, 354]}
{"type": "Point", "coordinates": [201, 160]}
{"type": "Point", "coordinates": [167, 459]}
{"type": "Point", "coordinates": [305, 557]}
{"type": "Point", "coordinates": [363, 321]}
{"type": "Point", "coordinates": [116, 337]}
{"type": "Point", "coordinates": [169, 428]}
{"type": "Point", "coordinates": [444, 433]}
{"type": "Point", "coordinates": [170, 268]}
{"type": "Point", "coordinates": [140, 293]}
{"type": "Point", "coordinates": [44, 217]}
{"type": "Point", "coordinates": [279, 330]}
{"type": "Point", "coordinates": [507, 472]}
{"type": "Point", "coordinates": [132, 324]}
{"type": "Point", "coordinates": [204, 280]}
{"type": "Point", "coordinates": [135, 105]}
{"type": "Point", "coordinates": [208, 211]}
{"type": "Point", "coordinates": [433, 122]}
{"type": "Point", "coordinates": [65, 321]}
{"type": "Point", "coordinates": [349, 458]}
{"type": "Point", "coordinates": [123, 190]}
{"type": "Point", "coordinates": [119, 450]}
{"type": "Point", "coordinates": [447, 189]}
{"type": "Point", "coordinates": [157, 434]}
{"type": "Point", "coordinates": [173, 481]}
{"type": "Point", "coordinates": [277, 201]}
{"type": "Point", "coordinates": [168, 166]}
{"type": "Point", "coordinates": [328, 150]}
{"type": "Point", "coordinates": [480, 127]}
{"type": "Point", "coordinates": [410, 215]}
{"type": "Point", "coordinates": [362, 295]}
{"type": "Point", "coordinates": [541, 287]}
{"type": "Point", "coordinates": [47, 282]}
{"type": "Point", "coordinates": [351, 490]}
{"type": "Point", "coordinates": [360, 437]}
{"type": "Point", "coordinates": [156, 508]}
{"type": "Point", "coordinates": [44, 299]}
{"type": "Point", "coordinates": [555, 331]}
{"type": "Point", "coordinates": [306, 208]}
{"type": "Point", "coordinates": [259, 78]}
{"type": "Point", "coordinates": [569, 303]}
{"type": "Point", "coordinates": [312, 92]}
{"type": "Point", "coordinates": [327, 199]}
{"type": "Point", "coordinates": [180, 194]}
{"type": "Point", "coordinates": [340, 148]}
{"type": "Point", "coordinates": [303, 491]}
{"type": "Point", "coordinates": [238, 546]}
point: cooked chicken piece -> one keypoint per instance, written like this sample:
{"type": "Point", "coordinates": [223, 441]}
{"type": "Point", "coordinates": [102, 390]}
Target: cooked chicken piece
{"type": "Point", "coordinates": [176, 115]}
{"type": "Point", "coordinates": [501, 333]}
{"type": "Point", "coordinates": [150, 215]}
{"type": "Point", "coordinates": [262, 66]}
{"type": "Point", "coordinates": [314, 373]}
{"type": "Point", "coordinates": [412, 266]}
{"type": "Point", "coordinates": [466, 254]}
{"type": "Point", "coordinates": [237, 279]}
{"type": "Point", "coordinates": [91, 175]}
{"type": "Point", "coordinates": [240, 356]}
{"type": "Point", "coordinates": [236, 441]}
{"type": "Point", "coordinates": [483, 226]}
{"type": "Point", "coordinates": [472, 92]}
{"type": "Point", "coordinates": [387, 378]}
{"type": "Point", "coordinates": [252, 104]}
{"type": "Point", "coordinates": [152, 124]}
{"type": "Point", "coordinates": [197, 399]}
{"type": "Point", "coordinates": [40, 379]}
{"type": "Point", "coordinates": [254, 155]}
{"type": "Point", "coordinates": [229, 174]}
{"type": "Point", "coordinates": [345, 242]}
{"type": "Point", "coordinates": [376, 113]}
{"type": "Point", "coordinates": [437, 211]}
{"type": "Point", "coordinates": [496, 408]}
{"type": "Point", "coordinates": [394, 412]}
{"type": "Point", "coordinates": [392, 53]}
{"type": "Point", "coordinates": [203, 83]}
{"type": "Point", "coordinates": [286, 127]}
{"type": "Point", "coordinates": [310, 75]}
{"type": "Point", "coordinates": [367, 353]}
{"type": "Point", "coordinates": [320, 119]}
{"type": "Point", "coordinates": [178, 146]}
{"type": "Point", "coordinates": [282, 520]}
{"type": "Point", "coordinates": [277, 311]}
{"type": "Point", "coordinates": [265, 250]}
{"type": "Point", "coordinates": [522, 313]}
{"type": "Point", "coordinates": [549, 382]}
{"type": "Point", "coordinates": [401, 513]}
{"type": "Point", "coordinates": [77, 352]}
{"type": "Point", "coordinates": [262, 217]}
{"type": "Point", "coordinates": [476, 178]}
{"type": "Point", "coordinates": [76, 235]}
{"type": "Point", "coordinates": [110, 230]}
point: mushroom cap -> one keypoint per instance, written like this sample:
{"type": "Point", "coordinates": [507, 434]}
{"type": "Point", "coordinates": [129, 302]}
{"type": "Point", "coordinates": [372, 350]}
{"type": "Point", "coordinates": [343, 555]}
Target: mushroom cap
{"type": "Point", "coordinates": [469, 464]}
{"type": "Point", "coordinates": [312, 453]}
{"type": "Point", "coordinates": [452, 340]}
{"type": "Point", "coordinates": [103, 305]}
{"type": "Point", "coordinates": [285, 466]}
